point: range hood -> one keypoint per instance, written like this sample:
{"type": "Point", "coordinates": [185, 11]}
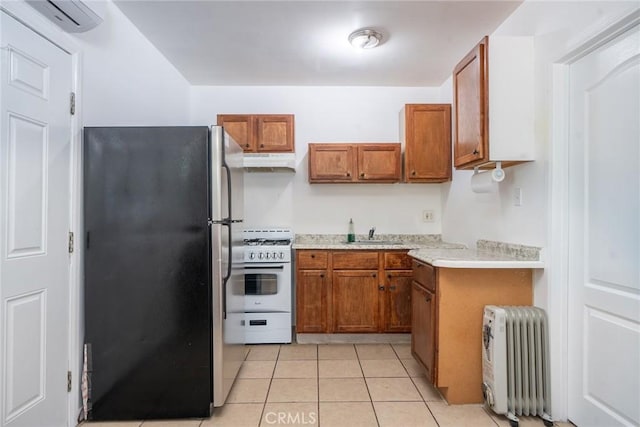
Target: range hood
{"type": "Point", "coordinates": [270, 162]}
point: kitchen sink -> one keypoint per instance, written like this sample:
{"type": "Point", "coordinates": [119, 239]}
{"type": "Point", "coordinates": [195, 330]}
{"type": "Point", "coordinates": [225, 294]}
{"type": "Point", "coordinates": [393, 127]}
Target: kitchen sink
{"type": "Point", "coordinates": [375, 242]}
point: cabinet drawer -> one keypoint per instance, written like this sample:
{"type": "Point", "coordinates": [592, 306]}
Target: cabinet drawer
{"type": "Point", "coordinates": [397, 261]}
{"type": "Point", "coordinates": [424, 274]}
{"type": "Point", "coordinates": [313, 259]}
{"type": "Point", "coordinates": [355, 260]}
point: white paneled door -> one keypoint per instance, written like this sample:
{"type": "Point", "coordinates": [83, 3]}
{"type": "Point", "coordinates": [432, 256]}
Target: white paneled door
{"type": "Point", "coordinates": [35, 132]}
{"type": "Point", "coordinates": [604, 235]}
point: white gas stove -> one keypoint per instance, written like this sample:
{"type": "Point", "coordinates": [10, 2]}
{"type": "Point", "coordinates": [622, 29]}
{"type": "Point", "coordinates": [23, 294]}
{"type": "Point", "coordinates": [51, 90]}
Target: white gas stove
{"type": "Point", "coordinates": [268, 301]}
{"type": "Point", "coordinates": [267, 245]}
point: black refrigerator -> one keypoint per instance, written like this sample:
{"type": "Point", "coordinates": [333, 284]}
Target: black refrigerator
{"type": "Point", "coordinates": [163, 273]}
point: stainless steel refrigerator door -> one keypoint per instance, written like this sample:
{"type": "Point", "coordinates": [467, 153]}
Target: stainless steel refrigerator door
{"type": "Point", "coordinates": [227, 262]}
{"type": "Point", "coordinates": [146, 263]}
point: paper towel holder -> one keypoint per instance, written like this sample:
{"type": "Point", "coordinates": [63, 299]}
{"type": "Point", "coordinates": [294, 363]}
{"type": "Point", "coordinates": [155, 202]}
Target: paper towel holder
{"type": "Point", "coordinates": [487, 182]}
{"type": "Point", "coordinates": [497, 174]}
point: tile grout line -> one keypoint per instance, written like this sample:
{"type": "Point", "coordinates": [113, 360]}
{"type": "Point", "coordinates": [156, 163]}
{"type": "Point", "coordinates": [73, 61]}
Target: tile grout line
{"type": "Point", "coordinates": [264, 404]}
{"type": "Point", "coordinates": [366, 384]}
{"type": "Point", "coordinates": [318, 383]}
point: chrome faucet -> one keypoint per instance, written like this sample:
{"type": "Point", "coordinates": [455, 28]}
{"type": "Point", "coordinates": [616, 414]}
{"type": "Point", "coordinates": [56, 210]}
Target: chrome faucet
{"type": "Point", "coordinates": [371, 231]}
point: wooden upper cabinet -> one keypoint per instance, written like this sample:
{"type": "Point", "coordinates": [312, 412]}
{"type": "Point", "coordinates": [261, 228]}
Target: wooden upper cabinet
{"type": "Point", "coordinates": [241, 128]}
{"type": "Point", "coordinates": [260, 133]}
{"type": "Point", "coordinates": [470, 93]}
{"type": "Point", "coordinates": [379, 162]}
{"type": "Point", "coordinates": [494, 99]}
{"type": "Point", "coordinates": [354, 163]}
{"type": "Point", "coordinates": [426, 130]}
{"type": "Point", "coordinates": [274, 133]}
{"type": "Point", "coordinates": [331, 163]}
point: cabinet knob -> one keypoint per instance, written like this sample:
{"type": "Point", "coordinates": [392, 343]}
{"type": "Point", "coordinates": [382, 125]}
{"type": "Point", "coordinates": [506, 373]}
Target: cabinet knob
{"type": "Point", "coordinates": [476, 152]}
{"type": "Point", "coordinates": [362, 175]}
{"type": "Point", "coordinates": [261, 145]}
{"type": "Point", "coordinates": [348, 173]}
{"type": "Point", "coordinates": [427, 298]}
{"type": "Point", "coordinates": [313, 255]}
{"type": "Point", "coordinates": [388, 276]}
{"type": "Point", "coordinates": [246, 145]}
{"type": "Point", "coordinates": [413, 173]}
{"type": "Point", "coordinates": [374, 275]}
{"type": "Point", "coordinates": [322, 276]}
{"type": "Point", "coordinates": [381, 288]}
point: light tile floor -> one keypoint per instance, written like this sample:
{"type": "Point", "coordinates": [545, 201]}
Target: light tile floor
{"type": "Point", "coordinates": [336, 385]}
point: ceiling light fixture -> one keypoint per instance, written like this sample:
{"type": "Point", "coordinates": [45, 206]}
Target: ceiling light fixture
{"type": "Point", "coordinates": [365, 38]}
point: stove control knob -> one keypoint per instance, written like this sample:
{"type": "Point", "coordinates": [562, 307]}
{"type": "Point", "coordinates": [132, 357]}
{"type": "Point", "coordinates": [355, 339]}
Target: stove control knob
{"type": "Point", "coordinates": [267, 255]}
{"type": "Point", "coordinates": [281, 255]}
{"type": "Point", "coordinates": [275, 255]}
{"type": "Point", "coordinates": [260, 255]}
{"type": "Point", "coordinates": [252, 255]}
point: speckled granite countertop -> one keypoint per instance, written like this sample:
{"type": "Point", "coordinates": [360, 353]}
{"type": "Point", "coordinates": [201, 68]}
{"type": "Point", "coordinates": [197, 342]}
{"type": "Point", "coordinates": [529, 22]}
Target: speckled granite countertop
{"type": "Point", "coordinates": [488, 254]}
{"type": "Point", "coordinates": [407, 241]}
{"type": "Point", "coordinates": [431, 249]}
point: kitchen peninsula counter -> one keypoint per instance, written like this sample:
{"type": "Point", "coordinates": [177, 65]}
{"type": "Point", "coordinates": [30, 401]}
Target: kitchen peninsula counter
{"type": "Point", "coordinates": [474, 258]}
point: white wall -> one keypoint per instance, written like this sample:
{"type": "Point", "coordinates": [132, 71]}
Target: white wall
{"type": "Point", "coordinates": [327, 114]}
{"type": "Point", "coordinates": [125, 79]}
{"type": "Point", "coordinates": [558, 27]}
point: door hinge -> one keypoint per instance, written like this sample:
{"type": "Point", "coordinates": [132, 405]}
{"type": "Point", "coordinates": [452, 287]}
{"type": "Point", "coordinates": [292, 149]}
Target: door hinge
{"type": "Point", "coordinates": [68, 381]}
{"type": "Point", "coordinates": [72, 103]}
{"type": "Point", "coordinates": [71, 242]}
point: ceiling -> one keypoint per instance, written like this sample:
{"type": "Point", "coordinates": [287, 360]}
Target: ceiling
{"type": "Point", "coordinates": [305, 42]}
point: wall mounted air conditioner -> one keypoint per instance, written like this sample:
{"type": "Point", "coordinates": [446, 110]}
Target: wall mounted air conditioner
{"type": "Point", "coordinates": [73, 16]}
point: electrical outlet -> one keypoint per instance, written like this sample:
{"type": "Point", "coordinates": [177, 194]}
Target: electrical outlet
{"type": "Point", "coordinates": [427, 216]}
{"type": "Point", "coordinates": [517, 196]}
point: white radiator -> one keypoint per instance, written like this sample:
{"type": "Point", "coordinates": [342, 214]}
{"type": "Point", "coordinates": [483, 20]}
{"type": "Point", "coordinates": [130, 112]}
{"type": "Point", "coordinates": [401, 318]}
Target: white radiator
{"type": "Point", "coordinates": [515, 362]}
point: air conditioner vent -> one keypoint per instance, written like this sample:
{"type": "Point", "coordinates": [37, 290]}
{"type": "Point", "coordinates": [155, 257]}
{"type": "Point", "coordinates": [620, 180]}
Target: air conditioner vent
{"type": "Point", "coordinates": [73, 16]}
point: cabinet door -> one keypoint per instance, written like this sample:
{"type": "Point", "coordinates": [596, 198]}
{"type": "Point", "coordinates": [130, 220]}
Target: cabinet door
{"type": "Point", "coordinates": [311, 301]}
{"type": "Point", "coordinates": [428, 142]}
{"type": "Point", "coordinates": [379, 162]}
{"type": "Point", "coordinates": [274, 133]}
{"type": "Point", "coordinates": [397, 301]}
{"type": "Point", "coordinates": [423, 328]}
{"type": "Point", "coordinates": [470, 91]}
{"type": "Point", "coordinates": [397, 260]}
{"type": "Point", "coordinates": [312, 259]}
{"type": "Point", "coordinates": [355, 300]}
{"type": "Point", "coordinates": [331, 163]}
{"type": "Point", "coordinates": [241, 128]}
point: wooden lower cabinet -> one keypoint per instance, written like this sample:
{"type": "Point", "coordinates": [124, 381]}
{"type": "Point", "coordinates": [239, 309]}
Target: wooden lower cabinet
{"type": "Point", "coordinates": [355, 300]}
{"type": "Point", "coordinates": [311, 301]}
{"type": "Point", "coordinates": [447, 311]}
{"type": "Point", "coordinates": [353, 291]}
{"type": "Point", "coordinates": [423, 304]}
{"type": "Point", "coordinates": [397, 301]}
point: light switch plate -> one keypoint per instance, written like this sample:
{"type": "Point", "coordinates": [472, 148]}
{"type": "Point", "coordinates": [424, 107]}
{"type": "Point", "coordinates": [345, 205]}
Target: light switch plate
{"type": "Point", "coordinates": [427, 216]}
{"type": "Point", "coordinates": [517, 196]}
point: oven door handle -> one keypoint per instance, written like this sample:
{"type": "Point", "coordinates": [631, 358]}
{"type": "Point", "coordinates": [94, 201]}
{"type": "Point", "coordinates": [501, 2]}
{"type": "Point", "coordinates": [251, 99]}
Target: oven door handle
{"type": "Point", "coordinates": [275, 267]}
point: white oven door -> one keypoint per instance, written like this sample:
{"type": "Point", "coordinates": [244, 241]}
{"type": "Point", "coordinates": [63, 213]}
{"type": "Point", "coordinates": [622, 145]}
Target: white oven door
{"type": "Point", "coordinates": [267, 287]}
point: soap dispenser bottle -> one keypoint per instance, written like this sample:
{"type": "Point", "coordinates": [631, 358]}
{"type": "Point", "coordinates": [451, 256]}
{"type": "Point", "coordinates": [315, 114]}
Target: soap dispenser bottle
{"type": "Point", "coordinates": [351, 234]}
